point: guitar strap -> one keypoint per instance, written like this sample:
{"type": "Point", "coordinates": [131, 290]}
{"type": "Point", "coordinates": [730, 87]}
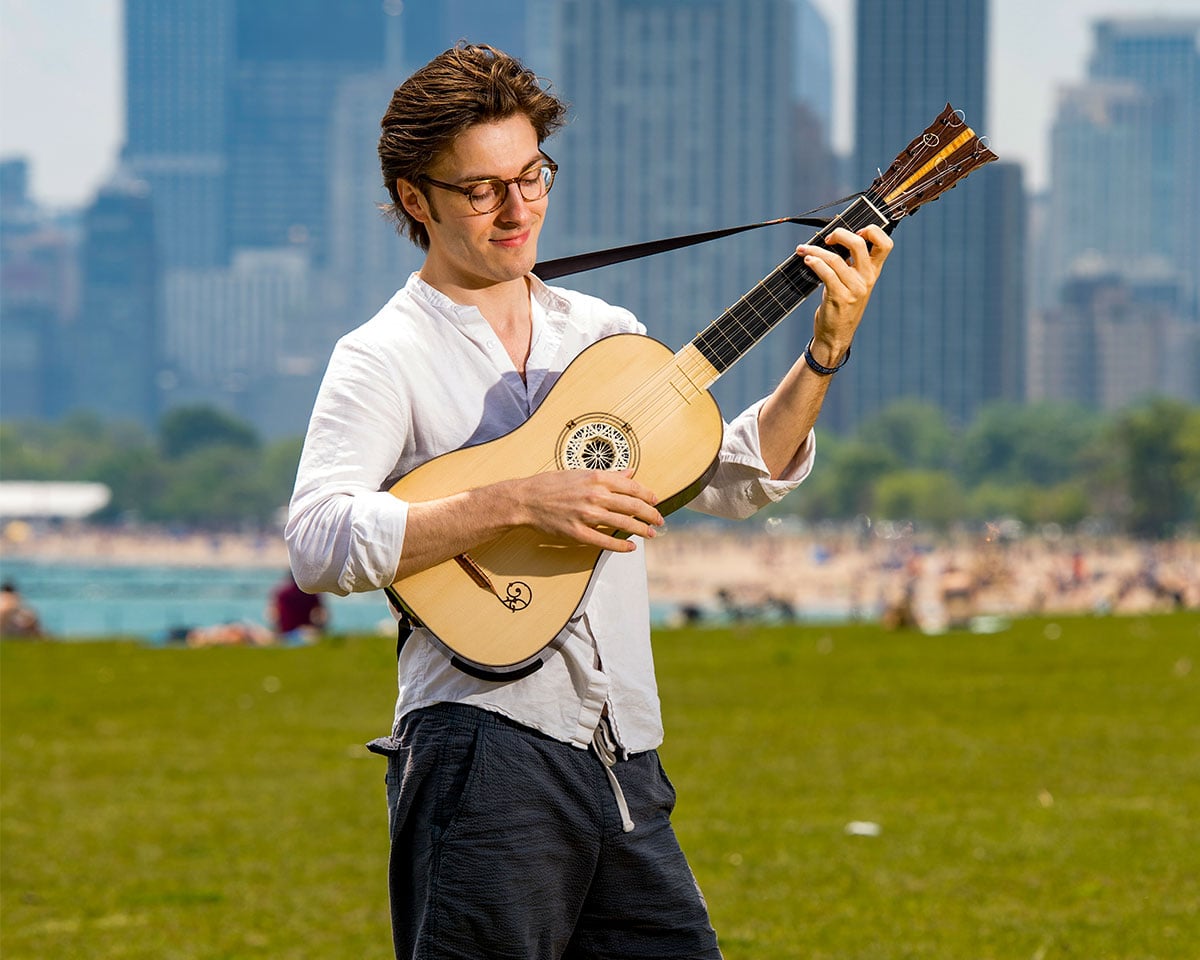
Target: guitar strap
{"type": "Point", "coordinates": [404, 629]}
{"type": "Point", "coordinates": [564, 266]}
{"type": "Point", "coordinates": [404, 623]}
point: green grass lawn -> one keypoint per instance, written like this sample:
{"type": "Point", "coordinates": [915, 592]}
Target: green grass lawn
{"type": "Point", "coordinates": [1037, 793]}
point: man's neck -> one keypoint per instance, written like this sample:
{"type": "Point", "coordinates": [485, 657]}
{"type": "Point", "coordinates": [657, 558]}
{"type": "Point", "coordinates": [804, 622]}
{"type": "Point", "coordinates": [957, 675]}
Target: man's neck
{"type": "Point", "coordinates": [505, 306]}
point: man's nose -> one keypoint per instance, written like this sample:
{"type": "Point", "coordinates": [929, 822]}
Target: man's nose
{"type": "Point", "coordinates": [515, 206]}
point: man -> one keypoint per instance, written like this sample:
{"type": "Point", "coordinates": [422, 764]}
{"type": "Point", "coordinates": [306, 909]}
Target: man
{"type": "Point", "coordinates": [529, 818]}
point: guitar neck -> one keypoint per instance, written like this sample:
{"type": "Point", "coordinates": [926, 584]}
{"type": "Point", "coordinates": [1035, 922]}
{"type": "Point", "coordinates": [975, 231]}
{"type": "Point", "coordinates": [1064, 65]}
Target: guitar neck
{"type": "Point", "coordinates": [724, 341]}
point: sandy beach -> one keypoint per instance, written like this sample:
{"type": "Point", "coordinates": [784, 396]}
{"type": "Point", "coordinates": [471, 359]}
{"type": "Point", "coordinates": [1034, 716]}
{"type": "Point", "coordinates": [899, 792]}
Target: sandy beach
{"type": "Point", "coordinates": [846, 576]}
{"type": "Point", "coordinates": [80, 543]}
{"type": "Point", "coordinates": [773, 571]}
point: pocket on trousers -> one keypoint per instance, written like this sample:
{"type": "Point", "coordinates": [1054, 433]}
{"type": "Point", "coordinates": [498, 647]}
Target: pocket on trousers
{"type": "Point", "coordinates": [668, 788]}
{"type": "Point", "coordinates": [460, 765]}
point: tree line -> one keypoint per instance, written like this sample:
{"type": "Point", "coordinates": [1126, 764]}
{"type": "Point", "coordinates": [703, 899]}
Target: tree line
{"type": "Point", "coordinates": [1137, 470]}
{"type": "Point", "coordinates": [202, 468]}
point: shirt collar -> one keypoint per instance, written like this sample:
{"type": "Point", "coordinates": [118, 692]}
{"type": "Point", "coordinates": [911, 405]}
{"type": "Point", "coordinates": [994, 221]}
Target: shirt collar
{"type": "Point", "coordinates": [550, 300]}
{"type": "Point", "coordinates": [421, 290]}
{"type": "Point", "coordinates": [547, 296]}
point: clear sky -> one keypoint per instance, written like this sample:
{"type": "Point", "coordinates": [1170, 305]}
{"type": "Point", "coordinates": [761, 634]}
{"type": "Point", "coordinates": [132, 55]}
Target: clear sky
{"type": "Point", "coordinates": [61, 94]}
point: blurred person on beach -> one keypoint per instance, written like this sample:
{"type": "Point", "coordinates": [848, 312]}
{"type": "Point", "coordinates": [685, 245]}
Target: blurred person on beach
{"type": "Point", "coordinates": [235, 633]}
{"type": "Point", "coordinates": [900, 610]}
{"type": "Point", "coordinates": [16, 618]}
{"type": "Point", "coordinates": [528, 817]}
{"type": "Point", "coordinates": [958, 595]}
{"type": "Point", "coordinates": [294, 615]}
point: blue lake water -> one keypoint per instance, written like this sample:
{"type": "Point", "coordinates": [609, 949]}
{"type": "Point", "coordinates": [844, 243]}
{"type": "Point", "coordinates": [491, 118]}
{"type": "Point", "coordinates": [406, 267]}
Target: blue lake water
{"type": "Point", "coordinates": [151, 602]}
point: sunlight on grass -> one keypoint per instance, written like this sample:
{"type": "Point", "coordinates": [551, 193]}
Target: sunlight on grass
{"type": "Point", "coordinates": [1033, 797]}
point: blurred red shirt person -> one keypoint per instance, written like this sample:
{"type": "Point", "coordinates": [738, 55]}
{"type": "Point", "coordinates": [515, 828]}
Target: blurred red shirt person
{"type": "Point", "coordinates": [296, 615]}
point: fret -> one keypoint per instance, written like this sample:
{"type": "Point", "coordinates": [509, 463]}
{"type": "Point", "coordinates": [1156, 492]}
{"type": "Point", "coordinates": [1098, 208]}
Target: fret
{"type": "Point", "coordinates": [741, 326]}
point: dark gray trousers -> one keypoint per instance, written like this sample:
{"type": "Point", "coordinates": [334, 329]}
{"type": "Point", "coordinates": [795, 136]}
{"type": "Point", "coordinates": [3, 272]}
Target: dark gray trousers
{"type": "Point", "coordinates": [508, 844]}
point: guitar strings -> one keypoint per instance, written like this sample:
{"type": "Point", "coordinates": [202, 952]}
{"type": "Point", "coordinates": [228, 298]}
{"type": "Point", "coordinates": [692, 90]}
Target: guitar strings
{"type": "Point", "coordinates": [753, 302]}
{"type": "Point", "coordinates": [652, 404]}
{"type": "Point", "coordinates": [758, 302]}
{"type": "Point", "coordinates": [761, 296]}
{"type": "Point", "coordinates": [762, 303]}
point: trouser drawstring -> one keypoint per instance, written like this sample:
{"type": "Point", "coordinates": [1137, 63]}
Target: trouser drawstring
{"type": "Point", "coordinates": [606, 749]}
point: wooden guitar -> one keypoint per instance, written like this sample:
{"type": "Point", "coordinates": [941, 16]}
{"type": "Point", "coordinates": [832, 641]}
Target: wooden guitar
{"type": "Point", "coordinates": [626, 402]}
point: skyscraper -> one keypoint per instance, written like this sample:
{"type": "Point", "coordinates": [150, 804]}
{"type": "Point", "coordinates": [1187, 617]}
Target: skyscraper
{"type": "Point", "coordinates": [290, 58]}
{"type": "Point", "coordinates": [1120, 291]}
{"type": "Point", "coordinates": [177, 56]}
{"type": "Point", "coordinates": [232, 111]}
{"type": "Point", "coordinates": [931, 330]}
{"type": "Point", "coordinates": [39, 294]}
{"type": "Point", "coordinates": [1102, 152]}
{"type": "Point", "coordinates": [1112, 341]}
{"type": "Point", "coordinates": [116, 356]}
{"type": "Point", "coordinates": [1161, 57]}
{"type": "Point", "coordinates": [681, 122]}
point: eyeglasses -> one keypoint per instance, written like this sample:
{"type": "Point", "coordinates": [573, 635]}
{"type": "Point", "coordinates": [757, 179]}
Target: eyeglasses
{"type": "Point", "coordinates": [488, 196]}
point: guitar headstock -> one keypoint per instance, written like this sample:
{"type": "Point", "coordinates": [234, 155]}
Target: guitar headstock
{"type": "Point", "coordinates": [929, 166]}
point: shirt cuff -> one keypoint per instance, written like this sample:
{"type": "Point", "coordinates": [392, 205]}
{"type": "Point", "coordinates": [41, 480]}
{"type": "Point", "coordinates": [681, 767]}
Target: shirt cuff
{"type": "Point", "coordinates": [743, 446]}
{"type": "Point", "coordinates": [377, 528]}
{"type": "Point", "coordinates": [742, 483]}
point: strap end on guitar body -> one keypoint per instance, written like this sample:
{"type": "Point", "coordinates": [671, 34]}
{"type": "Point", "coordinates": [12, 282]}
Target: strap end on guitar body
{"type": "Point", "coordinates": [497, 675]}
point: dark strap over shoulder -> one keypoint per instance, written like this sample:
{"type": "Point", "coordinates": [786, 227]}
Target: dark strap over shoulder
{"type": "Point", "coordinates": [602, 258]}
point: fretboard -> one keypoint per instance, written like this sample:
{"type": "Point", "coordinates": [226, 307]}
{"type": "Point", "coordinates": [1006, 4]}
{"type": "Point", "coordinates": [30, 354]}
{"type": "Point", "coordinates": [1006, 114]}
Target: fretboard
{"type": "Point", "coordinates": [734, 332]}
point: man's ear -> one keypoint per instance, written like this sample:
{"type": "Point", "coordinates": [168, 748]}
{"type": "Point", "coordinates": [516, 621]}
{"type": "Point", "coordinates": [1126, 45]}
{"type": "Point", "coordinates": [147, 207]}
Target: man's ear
{"type": "Point", "coordinates": [414, 202]}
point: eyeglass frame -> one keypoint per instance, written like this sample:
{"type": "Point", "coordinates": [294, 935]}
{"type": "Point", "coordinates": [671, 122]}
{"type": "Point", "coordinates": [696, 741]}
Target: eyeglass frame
{"type": "Point", "coordinates": [503, 197]}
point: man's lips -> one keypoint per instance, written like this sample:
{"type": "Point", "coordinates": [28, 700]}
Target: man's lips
{"type": "Point", "coordinates": [516, 241]}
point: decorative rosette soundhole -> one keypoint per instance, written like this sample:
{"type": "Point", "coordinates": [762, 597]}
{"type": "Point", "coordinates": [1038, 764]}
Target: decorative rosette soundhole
{"type": "Point", "coordinates": [597, 443]}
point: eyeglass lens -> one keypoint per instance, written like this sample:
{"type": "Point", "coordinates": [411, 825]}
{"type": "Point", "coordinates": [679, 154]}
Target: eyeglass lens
{"type": "Point", "coordinates": [488, 195]}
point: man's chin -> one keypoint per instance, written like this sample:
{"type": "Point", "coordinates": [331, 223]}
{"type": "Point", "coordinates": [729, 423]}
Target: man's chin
{"type": "Point", "coordinates": [520, 264]}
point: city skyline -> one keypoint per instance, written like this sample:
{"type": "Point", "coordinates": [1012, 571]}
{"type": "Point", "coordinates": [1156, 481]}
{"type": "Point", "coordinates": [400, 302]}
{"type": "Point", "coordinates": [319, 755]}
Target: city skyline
{"type": "Point", "coordinates": [57, 59]}
{"type": "Point", "coordinates": [255, 142]}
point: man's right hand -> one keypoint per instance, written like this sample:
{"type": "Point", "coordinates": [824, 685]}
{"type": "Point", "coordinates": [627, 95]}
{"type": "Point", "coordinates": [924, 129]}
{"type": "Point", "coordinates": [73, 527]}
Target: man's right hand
{"type": "Point", "coordinates": [588, 507]}
{"type": "Point", "coordinates": [570, 506]}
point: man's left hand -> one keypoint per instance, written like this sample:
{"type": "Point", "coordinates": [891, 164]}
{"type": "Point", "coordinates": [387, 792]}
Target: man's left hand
{"type": "Point", "coordinates": [848, 285]}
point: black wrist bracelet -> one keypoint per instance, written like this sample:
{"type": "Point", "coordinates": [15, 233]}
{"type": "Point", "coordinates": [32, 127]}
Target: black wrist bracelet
{"type": "Point", "coordinates": [818, 368]}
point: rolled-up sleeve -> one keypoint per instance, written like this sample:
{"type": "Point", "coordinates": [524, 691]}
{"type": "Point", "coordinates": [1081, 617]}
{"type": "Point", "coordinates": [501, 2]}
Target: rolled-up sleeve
{"type": "Point", "coordinates": [343, 534]}
{"type": "Point", "coordinates": [742, 483]}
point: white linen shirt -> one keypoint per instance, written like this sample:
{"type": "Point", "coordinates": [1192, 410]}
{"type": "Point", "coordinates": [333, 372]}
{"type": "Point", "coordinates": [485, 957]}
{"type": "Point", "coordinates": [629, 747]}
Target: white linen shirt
{"type": "Point", "coordinates": [426, 376]}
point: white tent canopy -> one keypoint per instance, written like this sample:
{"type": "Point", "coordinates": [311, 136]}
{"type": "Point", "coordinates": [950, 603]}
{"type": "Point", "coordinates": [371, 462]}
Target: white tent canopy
{"type": "Point", "coordinates": [29, 499]}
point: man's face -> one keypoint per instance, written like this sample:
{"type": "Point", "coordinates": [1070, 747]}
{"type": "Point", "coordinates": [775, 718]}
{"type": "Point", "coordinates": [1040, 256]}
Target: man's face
{"type": "Point", "coordinates": [472, 250]}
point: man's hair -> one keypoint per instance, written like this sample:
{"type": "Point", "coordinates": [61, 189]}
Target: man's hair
{"type": "Point", "coordinates": [467, 85]}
